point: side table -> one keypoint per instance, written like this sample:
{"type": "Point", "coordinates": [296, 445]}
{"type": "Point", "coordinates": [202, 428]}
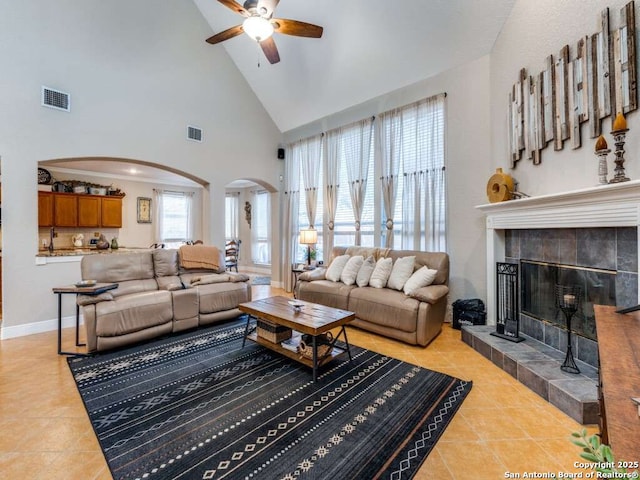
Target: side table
{"type": "Point", "coordinates": [96, 289]}
{"type": "Point", "coordinates": [295, 273]}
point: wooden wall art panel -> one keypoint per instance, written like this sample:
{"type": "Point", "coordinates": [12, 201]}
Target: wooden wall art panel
{"type": "Point", "coordinates": [596, 82]}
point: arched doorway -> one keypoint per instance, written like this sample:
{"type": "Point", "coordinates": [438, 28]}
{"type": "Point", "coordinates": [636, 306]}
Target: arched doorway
{"type": "Point", "coordinates": [251, 216]}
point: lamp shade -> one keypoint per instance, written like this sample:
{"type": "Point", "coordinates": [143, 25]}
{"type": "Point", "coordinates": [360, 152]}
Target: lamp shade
{"type": "Point", "coordinates": [308, 236]}
{"type": "Point", "coordinates": [257, 28]}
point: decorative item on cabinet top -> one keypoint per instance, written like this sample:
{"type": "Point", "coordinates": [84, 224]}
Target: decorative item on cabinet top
{"type": "Point", "coordinates": [47, 183]}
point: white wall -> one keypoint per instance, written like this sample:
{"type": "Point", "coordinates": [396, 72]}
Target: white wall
{"type": "Point", "coordinates": [138, 73]}
{"type": "Point", "coordinates": [468, 160]}
{"type": "Point", "coordinates": [534, 31]}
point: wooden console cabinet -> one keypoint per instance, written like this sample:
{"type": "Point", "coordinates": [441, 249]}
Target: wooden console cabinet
{"type": "Point", "coordinates": [619, 351]}
{"type": "Point", "coordinates": [78, 210]}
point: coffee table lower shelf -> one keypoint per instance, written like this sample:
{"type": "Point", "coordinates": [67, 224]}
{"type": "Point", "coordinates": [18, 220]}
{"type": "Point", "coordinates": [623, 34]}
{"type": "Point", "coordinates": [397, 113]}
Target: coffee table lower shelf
{"type": "Point", "coordinates": [276, 347]}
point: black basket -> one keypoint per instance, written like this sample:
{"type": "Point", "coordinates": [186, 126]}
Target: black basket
{"type": "Point", "coordinates": [468, 312]}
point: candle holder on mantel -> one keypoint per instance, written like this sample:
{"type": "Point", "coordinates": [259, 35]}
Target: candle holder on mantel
{"type": "Point", "coordinates": [619, 132]}
{"type": "Point", "coordinates": [568, 300]}
{"type": "Point", "coordinates": [602, 151]}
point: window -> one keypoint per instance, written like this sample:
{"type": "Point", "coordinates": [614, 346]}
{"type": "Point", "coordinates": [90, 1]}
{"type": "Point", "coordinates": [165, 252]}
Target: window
{"type": "Point", "coordinates": [231, 212]}
{"type": "Point", "coordinates": [260, 229]}
{"type": "Point", "coordinates": [414, 137]}
{"type": "Point", "coordinates": [420, 204]}
{"type": "Point", "coordinates": [175, 217]}
{"type": "Point", "coordinates": [411, 150]}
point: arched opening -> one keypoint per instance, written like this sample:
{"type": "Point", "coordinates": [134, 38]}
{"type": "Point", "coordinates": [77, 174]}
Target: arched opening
{"type": "Point", "coordinates": [251, 207]}
{"type": "Point", "coordinates": [139, 182]}
{"type": "Point", "coordinates": [123, 166]}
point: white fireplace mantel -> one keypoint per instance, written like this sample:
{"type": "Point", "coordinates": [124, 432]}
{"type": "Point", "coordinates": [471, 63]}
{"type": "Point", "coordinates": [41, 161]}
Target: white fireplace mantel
{"type": "Point", "coordinates": [614, 205]}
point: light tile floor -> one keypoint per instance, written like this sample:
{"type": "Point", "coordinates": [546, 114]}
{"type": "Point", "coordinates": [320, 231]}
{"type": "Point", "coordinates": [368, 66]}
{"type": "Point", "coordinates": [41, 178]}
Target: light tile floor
{"type": "Point", "coordinates": [502, 427]}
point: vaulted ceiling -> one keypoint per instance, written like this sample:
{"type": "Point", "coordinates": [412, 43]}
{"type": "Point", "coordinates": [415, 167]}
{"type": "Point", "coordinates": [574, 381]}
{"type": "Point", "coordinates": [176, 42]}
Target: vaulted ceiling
{"type": "Point", "coordinates": [369, 47]}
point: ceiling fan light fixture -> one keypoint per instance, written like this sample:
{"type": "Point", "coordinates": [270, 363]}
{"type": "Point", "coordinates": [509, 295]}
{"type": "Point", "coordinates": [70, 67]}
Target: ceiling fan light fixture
{"type": "Point", "coordinates": [258, 28]}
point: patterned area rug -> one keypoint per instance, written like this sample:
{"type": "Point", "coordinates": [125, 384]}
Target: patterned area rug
{"type": "Point", "coordinates": [260, 280]}
{"type": "Point", "coordinates": [199, 406]}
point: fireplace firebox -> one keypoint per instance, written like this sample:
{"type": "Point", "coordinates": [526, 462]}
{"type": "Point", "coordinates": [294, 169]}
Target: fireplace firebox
{"type": "Point", "coordinates": [538, 293]}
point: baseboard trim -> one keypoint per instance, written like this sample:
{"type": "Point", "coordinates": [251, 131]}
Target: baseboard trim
{"type": "Point", "coordinates": [16, 331]}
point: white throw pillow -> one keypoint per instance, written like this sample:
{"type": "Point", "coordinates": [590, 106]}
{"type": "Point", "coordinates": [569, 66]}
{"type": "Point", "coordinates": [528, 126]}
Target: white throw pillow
{"type": "Point", "coordinates": [381, 273]}
{"type": "Point", "coordinates": [364, 274]}
{"type": "Point", "coordinates": [350, 271]}
{"type": "Point", "coordinates": [402, 270]}
{"type": "Point", "coordinates": [421, 278]}
{"type": "Point", "coordinates": [335, 269]}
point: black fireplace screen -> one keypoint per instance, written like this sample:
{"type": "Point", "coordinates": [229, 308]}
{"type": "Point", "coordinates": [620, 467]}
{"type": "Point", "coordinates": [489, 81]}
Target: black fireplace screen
{"type": "Point", "coordinates": [538, 297]}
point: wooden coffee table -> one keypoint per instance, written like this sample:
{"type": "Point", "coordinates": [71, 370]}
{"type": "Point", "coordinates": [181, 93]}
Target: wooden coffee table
{"type": "Point", "coordinates": [311, 318]}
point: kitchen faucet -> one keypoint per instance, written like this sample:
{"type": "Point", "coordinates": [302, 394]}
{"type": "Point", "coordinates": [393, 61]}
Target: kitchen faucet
{"type": "Point", "coordinates": [52, 233]}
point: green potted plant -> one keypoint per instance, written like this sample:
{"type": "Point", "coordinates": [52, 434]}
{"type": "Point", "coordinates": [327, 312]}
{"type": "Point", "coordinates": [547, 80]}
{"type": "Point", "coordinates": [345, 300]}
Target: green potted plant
{"type": "Point", "coordinates": [601, 457]}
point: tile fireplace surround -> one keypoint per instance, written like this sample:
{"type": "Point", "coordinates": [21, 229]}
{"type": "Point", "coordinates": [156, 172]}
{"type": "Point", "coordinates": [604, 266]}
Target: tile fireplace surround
{"type": "Point", "coordinates": [601, 207]}
{"type": "Point", "coordinates": [595, 227]}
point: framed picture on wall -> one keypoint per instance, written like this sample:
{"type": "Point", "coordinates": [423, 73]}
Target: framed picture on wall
{"type": "Point", "coordinates": [144, 210]}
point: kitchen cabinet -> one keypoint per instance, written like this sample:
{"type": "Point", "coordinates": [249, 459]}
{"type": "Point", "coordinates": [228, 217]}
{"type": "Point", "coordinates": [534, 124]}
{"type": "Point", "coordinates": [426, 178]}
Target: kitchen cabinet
{"type": "Point", "coordinates": [111, 212]}
{"type": "Point", "coordinates": [79, 210]}
{"type": "Point", "coordinates": [45, 209]}
{"type": "Point", "coordinates": [65, 210]}
{"type": "Point", "coordinates": [89, 211]}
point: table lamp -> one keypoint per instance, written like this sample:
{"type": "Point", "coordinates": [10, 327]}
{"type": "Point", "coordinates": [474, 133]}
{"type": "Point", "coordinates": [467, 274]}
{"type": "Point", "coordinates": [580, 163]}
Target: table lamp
{"type": "Point", "coordinates": [308, 237]}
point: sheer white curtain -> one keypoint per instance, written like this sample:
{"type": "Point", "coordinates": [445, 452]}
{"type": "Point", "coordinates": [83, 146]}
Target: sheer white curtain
{"type": "Point", "coordinates": [356, 140]}
{"type": "Point", "coordinates": [310, 151]}
{"type": "Point", "coordinates": [331, 153]}
{"type": "Point", "coordinates": [157, 214]}
{"type": "Point", "coordinates": [389, 150]}
{"type": "Point", "coordinates": [261, 229]}
{"type": "Point", "coordinates": [423, 157]}
{"type": "Point", "coordinates": [290, 213]}
{"type": "Point", "coordinates": [191, 221]}
{"type": "Point", "coordinates": [231, 215]}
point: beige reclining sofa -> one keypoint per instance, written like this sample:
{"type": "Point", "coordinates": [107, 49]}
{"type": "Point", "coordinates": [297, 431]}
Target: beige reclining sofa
{"type": "Point", "coordinates": [155, 296]}
{"type": "Point", "coordinates": [415, 319]}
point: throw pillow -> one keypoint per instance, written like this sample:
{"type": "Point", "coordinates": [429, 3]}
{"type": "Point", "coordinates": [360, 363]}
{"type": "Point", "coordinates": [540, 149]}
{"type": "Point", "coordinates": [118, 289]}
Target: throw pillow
{"type": "Point", "coordinates": [351, 269]}
{"type": "Point", "coordinates": [381, 273]}
{"type": "Point", "coordinates": [364, 274]}
{"type": "Point", "coordinates": [402, 270]}
{"type": "Point", "coordinates": [421, 278]}
{"type": "Point", "coordinates": [335, 269]}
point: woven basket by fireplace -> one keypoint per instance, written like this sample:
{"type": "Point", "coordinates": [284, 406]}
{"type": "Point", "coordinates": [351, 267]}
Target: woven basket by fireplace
{"type": "Point", "coordinates": [323, 344]}
{"type": "Point", "coordinates": [272, 332]}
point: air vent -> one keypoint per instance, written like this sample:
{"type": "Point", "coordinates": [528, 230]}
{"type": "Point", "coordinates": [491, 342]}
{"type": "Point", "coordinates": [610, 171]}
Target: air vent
{"type": "Point", "coordinates": [56, 99]}
{"type": "Point", "coordinates": [194, 133]}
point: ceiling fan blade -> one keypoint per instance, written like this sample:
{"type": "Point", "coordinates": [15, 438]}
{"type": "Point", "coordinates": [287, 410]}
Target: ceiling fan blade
{"type": "Point", "coordinates": [270, 50]}
{"type": "Point", "coordinates": [266, 7]}
{"type": "Point", "coordinates": [294, 27]}
{"type": "Point", "coordinates": [226, 35]}
{"type": "Point", "coordinates": [235, 6]}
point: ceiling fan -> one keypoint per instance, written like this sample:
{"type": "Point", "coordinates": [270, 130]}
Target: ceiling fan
{"type": "Point", "coordinates": [259, 24]}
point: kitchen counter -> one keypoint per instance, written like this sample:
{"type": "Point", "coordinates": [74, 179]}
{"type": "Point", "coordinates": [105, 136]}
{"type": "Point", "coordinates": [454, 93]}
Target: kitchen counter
{"type": "Point", "coordinates": [66, 252]}
{"type": "Point", "coordinates": [59, 255]}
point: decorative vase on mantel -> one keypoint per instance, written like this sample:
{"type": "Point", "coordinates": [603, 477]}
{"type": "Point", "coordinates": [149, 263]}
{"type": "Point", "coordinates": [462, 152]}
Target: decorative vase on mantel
{"type": "Point", "coordinates": [619, 132]}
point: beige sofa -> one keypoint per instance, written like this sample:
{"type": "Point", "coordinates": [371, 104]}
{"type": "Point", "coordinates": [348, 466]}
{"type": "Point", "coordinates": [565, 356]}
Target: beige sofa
{"type": "Point", "coordinates": [415, 319]}
{"type": "Point", "coordinates": [155, 296]}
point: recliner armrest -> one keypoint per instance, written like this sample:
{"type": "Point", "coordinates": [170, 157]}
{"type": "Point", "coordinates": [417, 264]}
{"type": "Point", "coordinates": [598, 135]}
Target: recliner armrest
{"type": "Point", "coordinates": [430, 294]}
